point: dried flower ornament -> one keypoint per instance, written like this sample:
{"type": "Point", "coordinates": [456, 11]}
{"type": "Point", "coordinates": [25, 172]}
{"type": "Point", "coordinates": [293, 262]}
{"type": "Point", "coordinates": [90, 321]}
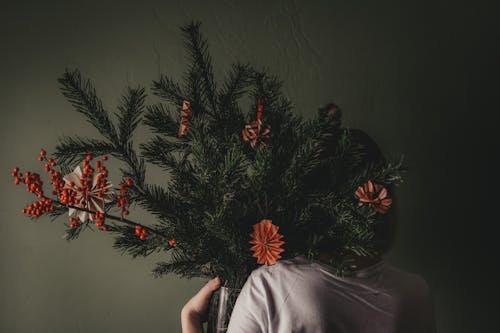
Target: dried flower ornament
{"type": "Point", "coordinates": [267, 242]}
{"type": "Point", "coordinates": [375, 196]}
{"type": "Point", "coordinates": [88, 190]}
{"type": "Point", "coordinates": [185, 115]}
{"type": "Point", "coordinates": [256, 132]}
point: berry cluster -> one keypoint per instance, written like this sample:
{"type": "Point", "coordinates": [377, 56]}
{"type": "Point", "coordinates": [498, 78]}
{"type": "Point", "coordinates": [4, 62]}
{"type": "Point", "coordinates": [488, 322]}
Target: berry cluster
{"type": "Point", "coordinates": [141, 232]}
{"type": "Point", "coordinates": [34, 185]}
{"type": "Point", "coordinates": [99, 217]}
{"type": "Point", "coordinates": [123, 199]}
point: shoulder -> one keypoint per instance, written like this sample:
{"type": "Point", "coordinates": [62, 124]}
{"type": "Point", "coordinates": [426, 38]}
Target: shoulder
{"type": "Point", "coordinates": [279, 278]}
{"type": "Point", "coordinates": [409, 282]}
{"type": "Point", "coordinates": [288, 268]}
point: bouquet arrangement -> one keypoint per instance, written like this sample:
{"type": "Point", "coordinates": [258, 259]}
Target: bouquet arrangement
{"type": "Point", "coordinates": [247, 181]}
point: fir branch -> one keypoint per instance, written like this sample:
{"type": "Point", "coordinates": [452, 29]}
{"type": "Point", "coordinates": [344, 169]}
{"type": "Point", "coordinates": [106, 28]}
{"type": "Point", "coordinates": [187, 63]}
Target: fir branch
{"type": "Point", "coordinates": [200, 57]}
{"type": "Point", "coordinates": [160, 151]}
{"type": "Point", "coordinates": [186, 269]}
{"type": "Point", "coordinates": [136, 167]}
{"type": "Point", "coordinates": [183, 265]}
{"type": "Point", "coordinates": [131, 108]}
{"type": "Point", "coordinates": [82, 95]}
{"type": "Point", "coordinates": [71, 149]}
{"type": "Point", "coordinates": [294, 178]}
{"type": "Point", "coordinates": [162, 120]}
{"type": "Point", "coordinates": [132, 245]}
{"type": "Point", "coordinates": [166, 88]}
{"type": "Point", "coordinates": [161, 203]}
{"type": "Point", "coordinates": [236, 85]}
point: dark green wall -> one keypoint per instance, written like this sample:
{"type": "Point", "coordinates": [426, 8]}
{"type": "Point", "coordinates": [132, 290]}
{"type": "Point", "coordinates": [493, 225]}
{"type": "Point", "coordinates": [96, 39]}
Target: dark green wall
{"type": "Point", "coordinates": [420, 77]}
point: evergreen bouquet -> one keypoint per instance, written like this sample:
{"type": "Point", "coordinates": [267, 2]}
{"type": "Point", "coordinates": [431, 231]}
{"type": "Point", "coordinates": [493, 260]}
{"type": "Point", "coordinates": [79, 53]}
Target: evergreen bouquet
{"type": "Point", "coordinates": [242, 188]}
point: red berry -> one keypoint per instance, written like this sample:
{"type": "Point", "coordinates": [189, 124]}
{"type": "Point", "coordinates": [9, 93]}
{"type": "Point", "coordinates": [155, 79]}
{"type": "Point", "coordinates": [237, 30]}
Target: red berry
{"type": "Point", "coordinates": [88, 157]}
{"type": "Point", "coordinates": [105, 228]}
{"type": "Point", "coordinates": [126, 212]}
{"type": "Point", "coordinates": [40, 158]}
{"type": "Point", "coordinates": [128, 181]}
{"type": "Point", "coordinates": [43, 153]}
{"type": "Point", "coordinates": [142, 237]}
{"type": "Point", "coordinates": [104, 158]}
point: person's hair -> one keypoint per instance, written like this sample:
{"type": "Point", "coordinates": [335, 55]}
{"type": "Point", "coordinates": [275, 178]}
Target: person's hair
{"type": "Point", "coordinates": [385, 228]}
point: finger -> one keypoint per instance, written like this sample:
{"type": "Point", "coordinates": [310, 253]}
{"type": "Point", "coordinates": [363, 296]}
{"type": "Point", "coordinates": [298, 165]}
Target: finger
{"type": "Point", "coordinates": [207, 290]}
{"type": "Point", "coordinates": [214, 284]}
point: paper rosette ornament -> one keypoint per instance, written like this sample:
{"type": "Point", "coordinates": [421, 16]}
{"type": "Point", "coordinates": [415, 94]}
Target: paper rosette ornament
{"type": "Point", "coordinates": [375, 196]}
{"type": "Point", "coordinates": [185, 115]}
{"type": "Point", "coordinates": [91, 197]}
{"type": "Point", "coordinates": [267, 242]}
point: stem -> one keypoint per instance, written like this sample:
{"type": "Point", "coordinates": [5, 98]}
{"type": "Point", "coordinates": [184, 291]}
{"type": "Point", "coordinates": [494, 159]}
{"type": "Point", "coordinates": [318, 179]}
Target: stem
{"type": "Point", "coordinates": [114, 218]}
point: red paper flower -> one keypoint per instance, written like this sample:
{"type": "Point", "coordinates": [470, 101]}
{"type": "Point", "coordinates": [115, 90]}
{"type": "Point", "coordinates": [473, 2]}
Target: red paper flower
{"type": "Point", "coordinates": [375, 196]}
{"type": "Point", "coordinates": [267, 242]}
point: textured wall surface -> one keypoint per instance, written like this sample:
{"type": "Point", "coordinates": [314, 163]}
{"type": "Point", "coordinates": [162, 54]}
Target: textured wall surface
{"type": "Point", "coordinates": [418, 76]}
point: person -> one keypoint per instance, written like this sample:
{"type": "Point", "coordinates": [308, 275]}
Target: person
{"type": "Point", "coordinates": [305, 295]}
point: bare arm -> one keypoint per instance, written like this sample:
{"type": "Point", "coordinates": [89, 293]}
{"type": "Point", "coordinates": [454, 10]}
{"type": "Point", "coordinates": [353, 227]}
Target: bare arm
{"type": "Point", "coordinates": [194, 312]}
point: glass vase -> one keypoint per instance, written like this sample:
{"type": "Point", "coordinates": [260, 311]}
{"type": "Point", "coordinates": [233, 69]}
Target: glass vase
{"type": "Point", "coordinates": [220, 309]}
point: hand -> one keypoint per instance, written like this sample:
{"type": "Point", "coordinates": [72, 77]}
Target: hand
{"type": "Point", "coordinates": [195, 311]}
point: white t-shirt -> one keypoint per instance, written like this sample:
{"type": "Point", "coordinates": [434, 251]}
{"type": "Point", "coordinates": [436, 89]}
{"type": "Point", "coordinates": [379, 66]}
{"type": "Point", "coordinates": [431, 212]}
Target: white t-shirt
{"type": "Point", "coordinates": [300, 295]}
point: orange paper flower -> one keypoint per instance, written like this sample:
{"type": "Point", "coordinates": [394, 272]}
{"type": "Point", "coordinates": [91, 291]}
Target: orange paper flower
{"type": "Point", "coordinates": [267, 242]}
{"type": "Point", "coordinates": [375, 196]}
{"type": "Point", "coordinates": [185, 115]}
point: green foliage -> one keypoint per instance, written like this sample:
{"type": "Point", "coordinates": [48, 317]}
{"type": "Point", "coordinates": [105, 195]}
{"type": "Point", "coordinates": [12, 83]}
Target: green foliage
{"type": "Point", "coordinates": [218, 186]}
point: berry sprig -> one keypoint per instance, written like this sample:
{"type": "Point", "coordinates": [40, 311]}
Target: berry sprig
{"type": "Point", "coordinates": [123, 199]}
{"type": "Point", "coordinates": [78, 191]}
{"type": "Point", "coordinates": [34, 185]}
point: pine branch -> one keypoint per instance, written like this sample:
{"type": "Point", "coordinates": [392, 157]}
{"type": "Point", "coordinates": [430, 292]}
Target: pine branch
{"type": "Point", "coordinates": [161, 203]}
{"type": "Point", "coordinates": [160, 151]}
{"type": "Point", "coordinates": [162, 120]}
{"type": "Point", "coordinates": [71, 149]}
{"type": "Point", "coordinates": [166, 88]}
{"type": "Point", "coordinates": [132, 245]}
{"type": "Point", "coordinates": [136, 167]}
{"type": "Point", "coordinates": [236, 84]}
{"type": "Point", "coordinates": [82, 95]}
{"type": "Point", "coordinates": [201, 60]}
{"type": "Point", "coordinates": [131, 108]}
{"type": "Point", "coordinates": [183, 265]}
